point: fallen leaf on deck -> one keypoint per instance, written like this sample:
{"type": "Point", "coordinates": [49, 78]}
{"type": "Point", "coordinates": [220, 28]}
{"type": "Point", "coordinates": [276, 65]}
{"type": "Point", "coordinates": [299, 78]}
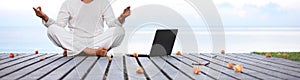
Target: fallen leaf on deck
{"type": "Point", "coordinates": [178, 53]}
{"type": "Point", "coordinates": [11, 55]}
{"type": "Point", "coordinates": [36, 51]}
{"type": "Point", "coordinates": [285, 55]}
{"type": "Point", "coordinates": [268, 55]}
{"type": "Point", "coordinates": [222, 51]}
{"type": "Point", "coordinates": [42, 59]}
{"type": "Point", "coordinates": [278, 54]}
{"type": "Point", "coordinates": [17, 54]}
{"type": "Point", "coordinates": [139, 70]}
{"type": "Point", "coordinates": [110, 59]}
{"type": "Point", "coordinates": [238, 68]}
{"type": "Point", "coordinates": [196, 70]}
{"type": "Point", "coordinates": [229, 65]}
{"type": "Point", "coordinates": [135, 54]}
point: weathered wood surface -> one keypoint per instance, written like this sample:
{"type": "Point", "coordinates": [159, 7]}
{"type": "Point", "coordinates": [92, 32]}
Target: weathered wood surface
{"type": "Point", "coordinates": [178, 67]}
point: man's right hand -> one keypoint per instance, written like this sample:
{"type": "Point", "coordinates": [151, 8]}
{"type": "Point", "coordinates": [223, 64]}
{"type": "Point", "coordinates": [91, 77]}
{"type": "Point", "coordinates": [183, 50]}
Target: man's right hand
{"type": "Point", "coordinates": [101, 51]}
{"type": "Point", "coordinates": [38, 11]}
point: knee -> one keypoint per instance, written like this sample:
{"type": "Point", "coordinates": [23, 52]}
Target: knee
{"type": "Point", "coordinates": [119, 34]}
{"type": "Point", "coordinates": [53, 29]}
{"type": "Point", "coordinates": [119, 31]}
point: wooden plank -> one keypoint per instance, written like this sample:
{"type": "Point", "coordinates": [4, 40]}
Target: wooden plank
{"type": "Point", "coordinates": [3, 55]}
{"type": "Point", "coordinates": [18, 61]}
{"type": "Point", "coordinates": [24, 64]}
{"type": "Point", "coordinates": [259, 68]}
{"type": "Point", "coordinates": [8, 60]}
{"type": "Point", "coordinates": [271, 61]}
{"type": "Point", "coordinates": [98, 70]}
{"type": "Point", "coordinates": [275, 59]}
{"type": "Point", "coordinates": [47, 69]}
{"type": "Point", "coordinates": [168, 69]}
{"type": "Point", "coordinates": [178, 67]}
{"type": "Point", "coordinates": [249, 69]}
{"type": "Point", "coordinates": [81, 69]}
{"type": "Point", "coordinates": [188, 70]}
{"type": "Point", "coordinates": [116, 69]}
{"type": "Point", "coordinates": [64, 69]}
{"type": "Point", "coordinates": [292, 73]}
{"type": "Point", "coordinates": [153, 72]}
{"type": "Point", "coordinates": [27, 70]}
{"type": "Point", "coordinates": [207, 70]}
{"type": "Point", "coordinates": [131, 67]}
{"type": "Point", "coordinates": [215, 65]}
{"type": "Point", "coordinates": [3, 58]}
{"type": "Point", "coordinates": [221, 67]}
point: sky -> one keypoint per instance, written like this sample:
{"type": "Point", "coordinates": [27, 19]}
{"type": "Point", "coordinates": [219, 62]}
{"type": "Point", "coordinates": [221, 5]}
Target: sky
{"type": "Point", "coordinates": [250, 25]}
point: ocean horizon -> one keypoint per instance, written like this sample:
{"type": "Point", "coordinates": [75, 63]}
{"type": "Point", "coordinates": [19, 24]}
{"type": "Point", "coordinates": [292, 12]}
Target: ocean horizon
{"type": "Point", "coordinates": [238, 40]}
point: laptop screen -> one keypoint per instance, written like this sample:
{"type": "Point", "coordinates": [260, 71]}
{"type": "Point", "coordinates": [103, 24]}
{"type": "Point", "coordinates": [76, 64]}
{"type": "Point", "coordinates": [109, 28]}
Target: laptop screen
{"type": "Point", "coordinates": [163, 42]}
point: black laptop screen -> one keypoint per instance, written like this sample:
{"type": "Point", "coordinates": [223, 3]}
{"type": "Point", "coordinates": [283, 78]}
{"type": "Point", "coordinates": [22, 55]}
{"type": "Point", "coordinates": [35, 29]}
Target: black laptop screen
{"type": "Point", "coordinates": [163, 42]}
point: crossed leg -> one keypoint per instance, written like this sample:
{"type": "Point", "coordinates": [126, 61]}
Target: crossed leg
{"type": "Point", "coordinates": [99, 46]}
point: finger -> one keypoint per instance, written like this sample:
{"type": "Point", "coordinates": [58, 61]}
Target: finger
{"type": "Point", "coordinates": [38, 12]}
{"type": "Point", "coordinates": [40, 8]}
{"type": "Point", "coordinates": [104, 53]}
{"type": "Point", "coordinates": [124, 11]}
{"type": "Point", "coordinates": [127, 10]}
{"type": "Point", "coordinates": [101, 48]}
{"type": "Point", "coordinates": [104, 48]}
{"type": "Point", "coordinates": [34, 9]}
{"type": "Point", "coordinates": [128, 7]}
{"type": "Point", "coordinates": [127, 13]}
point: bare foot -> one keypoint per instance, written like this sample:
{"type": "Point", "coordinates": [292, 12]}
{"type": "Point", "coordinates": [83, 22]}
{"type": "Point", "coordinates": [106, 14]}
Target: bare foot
{"type": "Point", "coordinates": [98, 52]}
{"type": "Point", "coordinates": [65, 53]}
{"type": "Point", "coordinates": [101, 51]}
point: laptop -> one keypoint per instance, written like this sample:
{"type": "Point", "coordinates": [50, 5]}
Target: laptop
{"type": "Point", "coordinates": [163, 42]}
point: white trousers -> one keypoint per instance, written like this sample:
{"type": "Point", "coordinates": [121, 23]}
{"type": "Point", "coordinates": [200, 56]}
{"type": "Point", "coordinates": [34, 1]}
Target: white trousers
{"type": "Point", "coordinates": [75, 45]}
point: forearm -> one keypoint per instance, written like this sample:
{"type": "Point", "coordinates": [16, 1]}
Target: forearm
{"type": "Point", "coordinates": [45, 18]}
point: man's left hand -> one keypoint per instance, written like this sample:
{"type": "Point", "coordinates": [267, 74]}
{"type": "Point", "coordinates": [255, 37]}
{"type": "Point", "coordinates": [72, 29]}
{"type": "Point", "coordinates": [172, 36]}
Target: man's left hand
{"type": "Point", "coordinates": [125, 14]}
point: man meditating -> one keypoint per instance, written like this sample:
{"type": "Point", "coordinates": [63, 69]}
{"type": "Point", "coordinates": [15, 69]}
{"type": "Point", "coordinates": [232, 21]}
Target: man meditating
{"type": "Point", "coordinates": [85, 19]}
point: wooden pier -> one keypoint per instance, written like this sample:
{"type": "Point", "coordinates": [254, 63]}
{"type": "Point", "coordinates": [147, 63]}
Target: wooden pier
{"type": "Point", "coordinates": [29, 66]}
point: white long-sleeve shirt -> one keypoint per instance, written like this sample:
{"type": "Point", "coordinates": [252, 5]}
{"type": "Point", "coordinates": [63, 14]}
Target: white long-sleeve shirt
{"type": "Point", "coordinates": [85, 21]}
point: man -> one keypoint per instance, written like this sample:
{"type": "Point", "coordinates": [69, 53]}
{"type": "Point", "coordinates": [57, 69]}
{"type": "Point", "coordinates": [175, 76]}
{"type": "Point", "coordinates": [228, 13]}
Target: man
{"type": "Point", "coordinates": [85, 20]}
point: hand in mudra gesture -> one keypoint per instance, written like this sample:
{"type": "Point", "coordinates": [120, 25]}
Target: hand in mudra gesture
{"type": "Point", "coordinates": [125, 14]}
{"type": "Point", "coordinates": [38, 12]}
